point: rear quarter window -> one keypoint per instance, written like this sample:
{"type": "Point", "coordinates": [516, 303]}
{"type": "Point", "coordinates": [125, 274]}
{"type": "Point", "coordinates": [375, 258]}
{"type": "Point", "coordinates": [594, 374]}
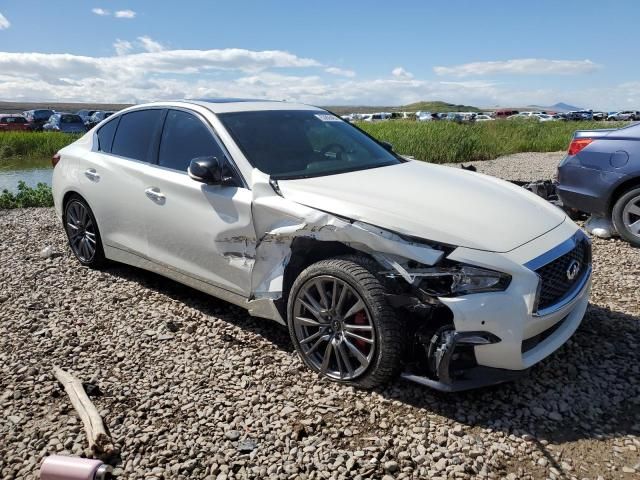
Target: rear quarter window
{"type": "Point", "coordinates": [106, 133]}
{"type": "Point", "coordinates": [135, 133]}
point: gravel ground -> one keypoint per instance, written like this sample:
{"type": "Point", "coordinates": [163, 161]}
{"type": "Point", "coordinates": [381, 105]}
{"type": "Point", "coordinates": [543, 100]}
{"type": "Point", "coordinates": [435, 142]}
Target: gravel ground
{"type": "Point", "coordinates": [192, 387]}
{"type": "Point", "coordinates": [526, 167]}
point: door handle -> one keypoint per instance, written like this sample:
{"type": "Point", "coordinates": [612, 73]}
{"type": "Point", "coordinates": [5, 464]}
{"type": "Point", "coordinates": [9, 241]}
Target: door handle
{"type": "Point", "coordinates": [155, 194]}
{"type": "Point", "coordinates": [91, 174]}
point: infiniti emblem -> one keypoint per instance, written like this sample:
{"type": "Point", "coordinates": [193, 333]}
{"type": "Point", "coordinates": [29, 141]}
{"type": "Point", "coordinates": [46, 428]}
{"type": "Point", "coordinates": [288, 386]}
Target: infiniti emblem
{"type": "Point", "coordinates": [573, 270]}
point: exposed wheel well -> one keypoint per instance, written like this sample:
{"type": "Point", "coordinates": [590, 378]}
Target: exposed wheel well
{"type": "Point", "coordinates": [304, 252]}
{"type": "Point", "coordinates": [621, 189]}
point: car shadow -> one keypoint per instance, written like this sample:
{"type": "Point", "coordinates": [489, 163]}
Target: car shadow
{"type": "Point", "coordinates": [589, 388]}
{"type": "Point", "coordinates": [206, 304]}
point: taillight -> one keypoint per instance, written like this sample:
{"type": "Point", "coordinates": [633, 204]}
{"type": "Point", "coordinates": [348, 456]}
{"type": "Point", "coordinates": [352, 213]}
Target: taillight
{"type": "Point", "coordinates": [55, 159]}
{"type": "Point", "coordinates": [577, 144]}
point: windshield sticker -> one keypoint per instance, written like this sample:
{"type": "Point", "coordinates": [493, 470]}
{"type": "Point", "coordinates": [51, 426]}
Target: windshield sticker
{"type": "Point", "coordinates": [325, 117]}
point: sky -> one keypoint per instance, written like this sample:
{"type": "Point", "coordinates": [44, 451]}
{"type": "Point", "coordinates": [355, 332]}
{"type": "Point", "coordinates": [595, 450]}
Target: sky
{"type": "Point", "coordinates": [484, 53]}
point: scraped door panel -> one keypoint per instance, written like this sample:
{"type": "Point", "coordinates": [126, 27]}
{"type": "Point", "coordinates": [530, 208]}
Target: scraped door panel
{"type": "Point", "coordinates": [204, 231]}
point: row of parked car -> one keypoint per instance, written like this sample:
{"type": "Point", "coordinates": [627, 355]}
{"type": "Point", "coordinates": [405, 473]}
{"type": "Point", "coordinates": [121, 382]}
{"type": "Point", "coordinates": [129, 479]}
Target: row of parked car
{"type": "Point", "coordinates": [465, 117]}
{"type": "Point", "coordinates": [52, 121]}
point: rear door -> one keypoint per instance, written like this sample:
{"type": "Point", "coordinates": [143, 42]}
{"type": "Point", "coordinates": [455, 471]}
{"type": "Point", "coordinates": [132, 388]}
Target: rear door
{"type": "Point", "coordinates": [204, 231]}
{"type": "Point", "coordinates": [112, 178]}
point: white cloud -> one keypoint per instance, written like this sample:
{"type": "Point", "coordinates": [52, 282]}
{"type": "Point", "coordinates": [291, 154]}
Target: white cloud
{"type": "Point", "coordinates": [122, 47]}
{"type": "Point", "coordinates": [125, 14]}
{"type": "Point", "coordinates": [520, 66]}
{"type": "Point", "coordinates": [4, 23]}
{"type": "Point", "coordinates": [100, 11]}
{"type": "Point", "coordinates": [340, 72]}
{"type": "Point", "coordinates": [149, 44]}
{"type": "Point", "coordinates": [400, 72]}
{"type": "Point", "coordinates": [169, 74]}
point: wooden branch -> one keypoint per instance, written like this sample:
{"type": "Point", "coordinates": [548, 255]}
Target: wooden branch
{"type": "Point", "coordinates": [99, 441]}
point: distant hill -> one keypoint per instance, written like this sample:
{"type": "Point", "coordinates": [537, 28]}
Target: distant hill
{"type": "Point", "coordinates": [558, 107]}
{"type": "Point", "coordinates": [435, 106]}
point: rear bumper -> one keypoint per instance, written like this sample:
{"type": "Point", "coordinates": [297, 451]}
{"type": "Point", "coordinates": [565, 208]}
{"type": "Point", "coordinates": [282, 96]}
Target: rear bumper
{"type": "Point", "coordinates": [586, 189]}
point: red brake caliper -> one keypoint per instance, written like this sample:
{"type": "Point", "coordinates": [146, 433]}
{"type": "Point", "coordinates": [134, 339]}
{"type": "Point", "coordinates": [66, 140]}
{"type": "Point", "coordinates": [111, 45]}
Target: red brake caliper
{"type": "Point", "coordinates": [360, 318]}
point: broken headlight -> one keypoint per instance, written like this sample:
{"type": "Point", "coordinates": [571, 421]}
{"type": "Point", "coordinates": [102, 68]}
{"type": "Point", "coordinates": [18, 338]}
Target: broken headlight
{"type": "Point", "coordinates": [458, 279]}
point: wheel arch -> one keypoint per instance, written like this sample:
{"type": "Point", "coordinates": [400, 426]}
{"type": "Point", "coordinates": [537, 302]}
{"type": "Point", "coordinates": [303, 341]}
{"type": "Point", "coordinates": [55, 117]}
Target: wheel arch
{"type": "Point", "coordinates": [306, 251]}
{"type": "Point", "coordinates": [74, 193]}
{"type": "Point", "coordinates": [620, 190]}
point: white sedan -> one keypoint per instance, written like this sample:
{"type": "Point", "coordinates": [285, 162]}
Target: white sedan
{"type": "Point", "coordinates": [378, 265]}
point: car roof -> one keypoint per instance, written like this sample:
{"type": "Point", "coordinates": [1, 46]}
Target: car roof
{"type": "Point", "coordinates": [224, 105]}
{"type": "Point", "coordinates": [12, 115]}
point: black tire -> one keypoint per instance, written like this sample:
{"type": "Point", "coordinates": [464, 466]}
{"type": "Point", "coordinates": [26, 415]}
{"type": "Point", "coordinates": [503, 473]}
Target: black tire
{"type": "Point", "coordinates": [358, 272]}
{"type": "Point", "coordinates": [96, 259]}
{"type": "Point", "coordinates": [618, 214]}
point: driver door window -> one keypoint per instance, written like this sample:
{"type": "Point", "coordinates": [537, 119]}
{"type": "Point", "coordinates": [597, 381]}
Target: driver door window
{"type": "Point", "coordinates": [184, 138]}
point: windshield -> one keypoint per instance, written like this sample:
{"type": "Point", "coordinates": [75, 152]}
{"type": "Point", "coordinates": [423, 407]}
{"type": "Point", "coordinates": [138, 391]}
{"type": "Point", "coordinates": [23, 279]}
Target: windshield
{"type": "Point", "coordinates": [303, 143]}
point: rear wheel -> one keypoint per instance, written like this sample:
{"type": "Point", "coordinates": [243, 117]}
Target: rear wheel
{"type": "Point", "coordinates": [626, 216]}
{"type": "Point", "coordinates": [341, 324]}
{"type": "Point", "coordinates": [82, 232]}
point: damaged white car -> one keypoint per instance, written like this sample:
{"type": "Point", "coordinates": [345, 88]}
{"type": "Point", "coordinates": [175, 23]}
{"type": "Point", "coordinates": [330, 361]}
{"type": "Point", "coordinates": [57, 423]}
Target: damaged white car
{"type": "Point", "coordinates": [377, 264]}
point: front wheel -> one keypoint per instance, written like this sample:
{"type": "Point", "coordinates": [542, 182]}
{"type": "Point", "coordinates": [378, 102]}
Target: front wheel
{"type": "Point", "coordinates": [341, 324]}
{"type": "Point", "coordinates": [626, 216]}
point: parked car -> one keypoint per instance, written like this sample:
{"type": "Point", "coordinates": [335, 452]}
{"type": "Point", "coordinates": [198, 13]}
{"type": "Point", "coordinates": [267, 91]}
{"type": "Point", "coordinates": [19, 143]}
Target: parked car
{"type": "Point", "coordinates": [543, 117]}
{"type": "Point", "coordinates": [580, 115]}
{"type": "Point", "coordinates": [37, 118]}
{"type": "Point", "coordinates": [300, 217]}
{"type": "Point", "coordinates": [505, 113]}
{"type": "Point", "coordinates": [85, 114]}
{"type": "Point", "coordinates": [600, 116]}
{"type": "Point", "coordinates": [483, 118]}
{"type": "Point", "coordinates": [97, 117]}
{"type": "Point", "coordinates": [601, 176]}
{"type": "Point", "coordinates": [624, 115]}
{"type": "Point", "coordinates": [65, 122]}
{"type": "Point", "coordinates": [11, 122]}
{"type": "Point", "coordinates": [425, 116]}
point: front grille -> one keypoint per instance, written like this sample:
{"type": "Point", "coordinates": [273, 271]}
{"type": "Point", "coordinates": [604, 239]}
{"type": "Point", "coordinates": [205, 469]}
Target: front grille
{"type": "Point", "coordinates": [555, 283]}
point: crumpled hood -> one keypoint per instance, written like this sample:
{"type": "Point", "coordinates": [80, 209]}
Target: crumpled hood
{"type": "Point", "coordinates": [432, 202]}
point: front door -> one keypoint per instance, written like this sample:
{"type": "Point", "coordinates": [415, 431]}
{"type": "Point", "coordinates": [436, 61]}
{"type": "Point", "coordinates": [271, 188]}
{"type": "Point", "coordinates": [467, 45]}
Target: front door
{"type": "Point", "coordinates": [204, 231]}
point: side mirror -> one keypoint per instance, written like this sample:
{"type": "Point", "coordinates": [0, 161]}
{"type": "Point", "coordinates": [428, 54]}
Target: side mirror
{"type": "Point", "coordinates": [206, 170]}
{"type": "Point", "coordinates": [387, 146]}
{"type": "Point", "coordinates": [210, 171]}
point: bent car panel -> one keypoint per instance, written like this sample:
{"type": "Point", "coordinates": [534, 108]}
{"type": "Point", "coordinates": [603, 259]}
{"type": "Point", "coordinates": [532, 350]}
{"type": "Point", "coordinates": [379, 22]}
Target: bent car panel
{"type": "Point", "coordinates": [432, 202]}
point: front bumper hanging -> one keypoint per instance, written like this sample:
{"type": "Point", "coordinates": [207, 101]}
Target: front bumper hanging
{"type": "Point", "coordinates": [440, 352]}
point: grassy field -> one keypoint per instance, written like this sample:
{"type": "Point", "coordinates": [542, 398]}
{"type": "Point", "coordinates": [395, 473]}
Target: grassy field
{"type": "Point", "coordinates": [444, 142]}
{"type": "Point", "coordinates": [15, 146]}
{"type": "Point", "coordinates": [436, 142]}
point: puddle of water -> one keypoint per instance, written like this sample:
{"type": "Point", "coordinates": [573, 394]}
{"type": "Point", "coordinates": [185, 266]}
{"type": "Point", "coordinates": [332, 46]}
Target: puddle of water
{"type": "Point", "coordinates": [31, 171]}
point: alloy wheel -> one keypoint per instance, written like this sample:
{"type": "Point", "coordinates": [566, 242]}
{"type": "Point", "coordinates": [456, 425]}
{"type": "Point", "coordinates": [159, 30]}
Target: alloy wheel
{"type": "Point", "coordinates": [334, 328]}
{"type": "Point", "coordinates": [631, 216]}
{"type": "Point", "coordinates": [81, 231]}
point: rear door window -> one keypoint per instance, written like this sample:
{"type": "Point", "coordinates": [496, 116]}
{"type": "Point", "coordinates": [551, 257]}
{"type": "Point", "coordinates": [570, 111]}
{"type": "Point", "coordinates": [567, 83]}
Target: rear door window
{"type": "Point", "coordinates": [184, 138]}
{"type": "Point", "coordinates": [106, 134]}
{"type": "Point", "coordinates": [135, 133]}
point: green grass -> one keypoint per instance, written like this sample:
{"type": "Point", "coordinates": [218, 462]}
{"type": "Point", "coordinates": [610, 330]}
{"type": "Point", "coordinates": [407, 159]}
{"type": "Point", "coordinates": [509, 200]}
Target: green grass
{"type": "Point", "coordinates": [444, 142]}
{"type": "Point", "coordinates": [32, 144]}
{"type": "Point", "coordinates": [40, 196]}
